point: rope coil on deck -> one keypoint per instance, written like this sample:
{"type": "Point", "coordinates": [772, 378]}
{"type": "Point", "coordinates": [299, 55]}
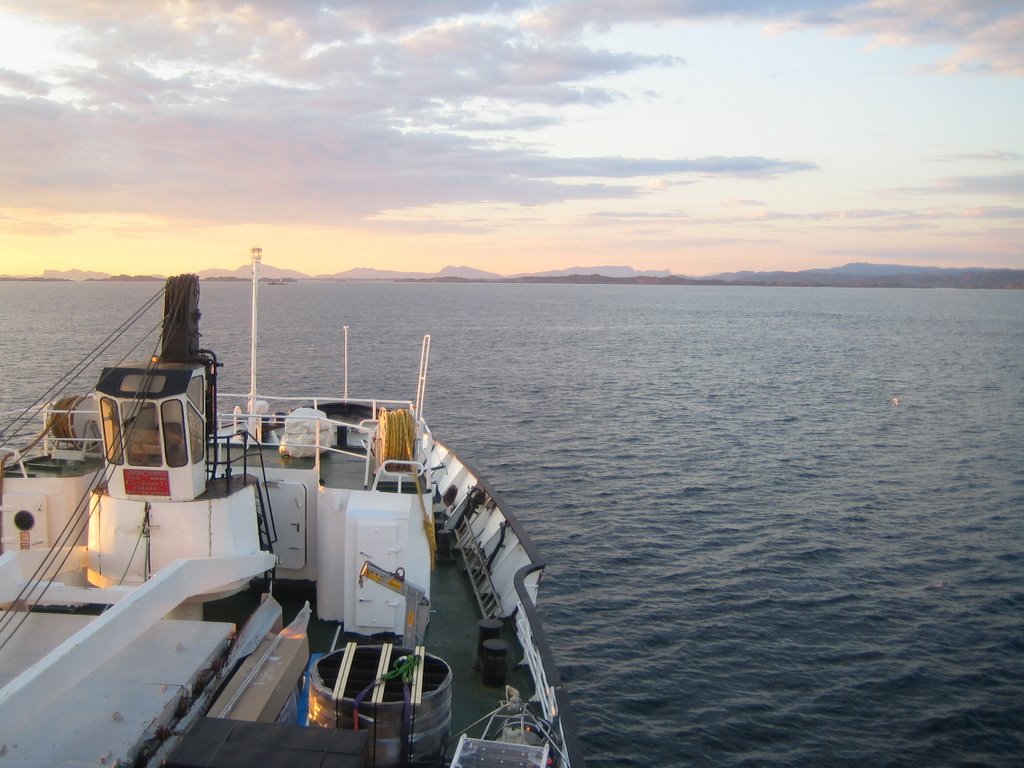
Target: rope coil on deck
{"type": "Point", "coordinates": [60, 421]}
{"type": "Point", "coordinates": [396, 437]}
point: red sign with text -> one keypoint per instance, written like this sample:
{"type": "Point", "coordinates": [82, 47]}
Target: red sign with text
{"type": "Point", "coordinates": [147, 482]}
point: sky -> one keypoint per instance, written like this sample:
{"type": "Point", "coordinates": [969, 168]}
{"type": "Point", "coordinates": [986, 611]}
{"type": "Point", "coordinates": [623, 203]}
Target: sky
{"type": "Point", "coordinates": [695, 136]}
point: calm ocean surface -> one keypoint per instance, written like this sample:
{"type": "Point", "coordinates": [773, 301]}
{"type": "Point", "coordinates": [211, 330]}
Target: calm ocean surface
{"type": "Point", "coordinates": [756, 559]}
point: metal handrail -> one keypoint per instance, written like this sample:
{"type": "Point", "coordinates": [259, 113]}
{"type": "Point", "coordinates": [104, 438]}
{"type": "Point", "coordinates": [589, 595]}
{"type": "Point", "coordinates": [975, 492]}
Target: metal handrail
{"type": "Point", "coordinates": [374, 403]}
{"type": "Point", "coordinates": [414, 468]}
{"type": "Point", "coordinates": [49, 443]}
{"type": "Point", "coordinates": [422, 444]}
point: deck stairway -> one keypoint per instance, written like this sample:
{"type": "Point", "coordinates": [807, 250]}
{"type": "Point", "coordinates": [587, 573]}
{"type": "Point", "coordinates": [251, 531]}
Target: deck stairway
{"type": "Point", "coordinates": [479, 573]}
{"type": "Point", "coordinates": [265, 520]}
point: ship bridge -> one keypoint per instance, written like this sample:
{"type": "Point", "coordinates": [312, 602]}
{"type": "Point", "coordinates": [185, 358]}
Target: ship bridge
{"type": "Point", "coordinates": [154, 430]}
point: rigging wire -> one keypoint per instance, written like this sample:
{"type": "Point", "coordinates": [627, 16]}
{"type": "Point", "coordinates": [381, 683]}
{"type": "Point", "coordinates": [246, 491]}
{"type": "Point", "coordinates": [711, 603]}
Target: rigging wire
{"type": "Point", "coordinates": [73, 529]}
{"type": "Point", "coordinates": [105, 471]}
{"type": "Point", "coordinates": [18, 422]}
{"type": "Point", "coordinates": [77, 522]}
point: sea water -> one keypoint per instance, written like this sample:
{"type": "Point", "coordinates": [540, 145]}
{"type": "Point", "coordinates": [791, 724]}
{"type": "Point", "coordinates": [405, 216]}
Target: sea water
{"type": "Point", "coordinates": [783, 526]}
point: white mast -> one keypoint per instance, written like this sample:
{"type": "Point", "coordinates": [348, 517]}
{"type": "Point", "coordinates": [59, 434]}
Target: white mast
{"type": "Point", "coordinates": [257, 256]}
{"type": "Point", "coordinates": [345, 329]}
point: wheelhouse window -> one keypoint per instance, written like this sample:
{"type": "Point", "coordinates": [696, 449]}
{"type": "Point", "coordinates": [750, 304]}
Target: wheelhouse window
{"type": "Point", "coordinates": [111, 430]}
{"type": "Point", "coordinates": [197, 393]}
{"type": "Point", "coordinates": [142, 437]}
{"type": "Point", "coordinates": [173, 421]}
{"type": "Point", "coordinates": [196, 434]}
{"type": "Point", "coordinates": [144, 383]}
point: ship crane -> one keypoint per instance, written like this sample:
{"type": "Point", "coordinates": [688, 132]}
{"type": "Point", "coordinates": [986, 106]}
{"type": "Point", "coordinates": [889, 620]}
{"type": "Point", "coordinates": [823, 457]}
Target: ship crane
{"type": "Point", "coordinates": [417, 605]}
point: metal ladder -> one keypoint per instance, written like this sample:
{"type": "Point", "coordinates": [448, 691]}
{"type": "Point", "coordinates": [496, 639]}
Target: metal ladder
{"type": "Point", "coordinates": [479, 574]}
{"type": "Point", "coordinates": [264, 521]}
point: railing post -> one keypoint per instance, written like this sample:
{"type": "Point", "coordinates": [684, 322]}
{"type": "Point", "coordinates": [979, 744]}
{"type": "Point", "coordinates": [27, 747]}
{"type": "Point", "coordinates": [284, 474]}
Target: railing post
{"type": "Point", "coordinates": [421, 383]}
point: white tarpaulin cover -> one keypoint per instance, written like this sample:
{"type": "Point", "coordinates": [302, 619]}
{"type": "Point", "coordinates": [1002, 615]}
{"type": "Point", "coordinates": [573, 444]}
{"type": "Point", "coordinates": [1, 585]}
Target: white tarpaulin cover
{"type": "Point", "coordinates": [300, 428]}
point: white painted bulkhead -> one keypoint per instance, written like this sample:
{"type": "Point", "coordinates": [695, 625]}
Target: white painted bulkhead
{"type": "Point", "coordinates": [331, 564]}
{"type": "Point", "coordinates": [294, 495]}
{"type": "Point", "coordinates": [384, 528]}
{"type": "Point", "coordinates": [52, 501]}
{"type": "Point", "coordinates": [173, 484]}
{"type": "Point", "coordinates": [129, 540]}
{"type": "Point", "coordinates": [291, 523]}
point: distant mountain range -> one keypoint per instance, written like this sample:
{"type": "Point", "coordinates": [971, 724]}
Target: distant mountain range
{"type": "Point", "coordinates": [857, 274]}
{"type": "Point", "coordinates": [271, 272]}
{"type": "Point", "coordinates": [864, 275]}
{"type": "Point", "coordinates": [620, 272]}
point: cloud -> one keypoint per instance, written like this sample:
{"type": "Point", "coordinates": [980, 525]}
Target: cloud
{"type": "Point", "coordinates": [408, 55]}
{"type": "Point", "coordinates": [993, 212]}
{"type": "Point", "coordinates": [293, 112]}
{"type": "Point", "coordinates": [744, 203]}
{"type": "Point", "coordinates": [996, 156]}
{"type": "Point", "coordinates": [132, 157]}
{"type": "Point", "coordinates": [625, 167]}
{"type": "Point", "coordinates": [985, 34]}
{"type": "Point", "coordinates": [1007, 185]}
{"type": "Point", "coordinates": [1011, 184]}
{"type": "Point", "coordinates": [299, 112]}
{"type": "Point", "coordinates": [19, 83]}
{"type": "Point", "coordinates": [40, 228]}
{"type": "Point", "coordinates": [861, 220]}
{"type": "Point", "coordinates": [500, 123]}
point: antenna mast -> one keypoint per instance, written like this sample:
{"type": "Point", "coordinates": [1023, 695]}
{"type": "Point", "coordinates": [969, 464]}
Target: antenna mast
{"type": "Point", "coordinates": [345, 329]}
{"type": "Point", "coordinates": [257, 256]}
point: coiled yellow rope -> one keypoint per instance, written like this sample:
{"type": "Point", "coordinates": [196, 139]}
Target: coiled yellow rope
{"type": "Point", "coordinates": [395, 437]}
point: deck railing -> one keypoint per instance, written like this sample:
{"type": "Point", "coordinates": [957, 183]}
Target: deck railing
{"type": "Point", "coordinates": [25, 444]}
{"type": "Point", "coordinates": [539, 658]}
{"type": "Point", "coordinates": [237, 422]}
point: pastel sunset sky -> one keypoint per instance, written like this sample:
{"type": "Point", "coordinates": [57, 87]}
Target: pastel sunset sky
{"type": "Point", "coordinates": [697, 136]}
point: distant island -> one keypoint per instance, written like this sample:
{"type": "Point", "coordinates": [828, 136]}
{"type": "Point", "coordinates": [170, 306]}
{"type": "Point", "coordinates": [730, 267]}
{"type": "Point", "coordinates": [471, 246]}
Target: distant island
{"type": "Point", "coordinates": [854, 275]}
{"type": "Point", "coordinates": [127, 279]}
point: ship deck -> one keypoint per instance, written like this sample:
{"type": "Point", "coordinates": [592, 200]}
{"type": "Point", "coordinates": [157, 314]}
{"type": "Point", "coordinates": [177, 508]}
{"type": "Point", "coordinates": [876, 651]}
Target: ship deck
{"type": "Point", "coordinates": [452, 633]}
{"type": "Point", "coordinates": [337, 470]}
{"type": "Point", "coordinates": [49, 466]}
